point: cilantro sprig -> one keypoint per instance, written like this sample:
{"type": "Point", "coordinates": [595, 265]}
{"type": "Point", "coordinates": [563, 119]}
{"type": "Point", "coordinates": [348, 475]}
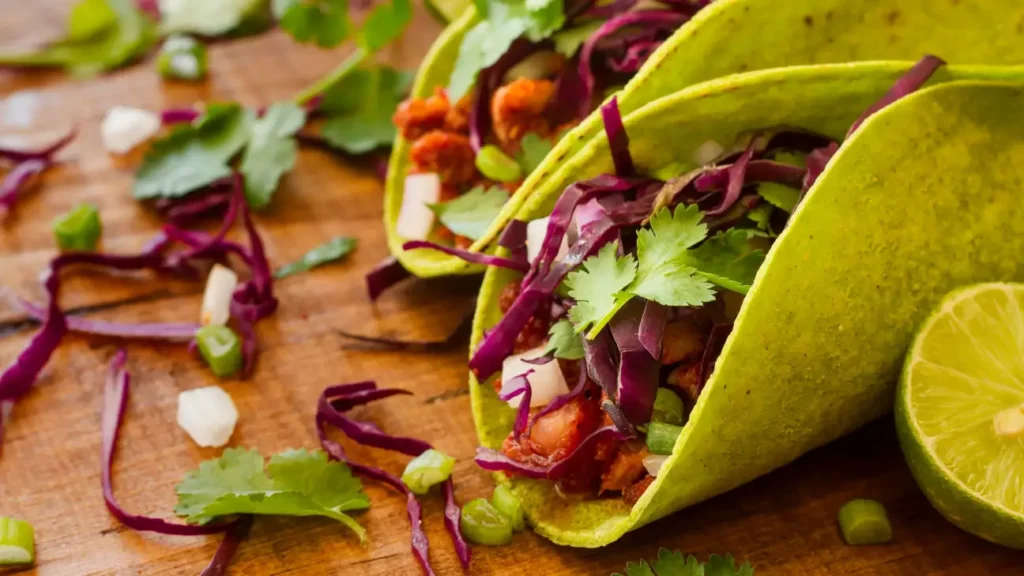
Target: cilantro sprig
{"type": "Point", "coordinates": [677, 564]}
{"type": "Point", "coordinates": [669, 268]}
{"type": "Point", "coordinates": [295, 483]}
{"type": "Point", "coordinates": [360, 106]}
{"type": "Point", "coordinates": [471, 214]}
{"type": "Point", "coordinates": [504, 21]}
{"type": "Point", "coordinates": [564, 342]}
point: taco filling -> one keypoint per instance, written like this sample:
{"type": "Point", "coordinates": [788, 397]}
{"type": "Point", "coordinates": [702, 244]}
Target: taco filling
{"type": "Point", "coordinates": [631, 290]}
{"type": "Point", "coordinates": [525, 74]}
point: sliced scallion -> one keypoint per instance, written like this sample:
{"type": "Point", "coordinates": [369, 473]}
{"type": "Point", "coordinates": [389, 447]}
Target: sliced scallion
{"type": "Point", "coordinates": [496, 165]}
{"type": "Point", "coordinates": [661, 437]}
{"type": "Point", "coordinates": [482, 523]}
{"type": "Point", "coordinates": [864, 522]}
{"type": "Point", "coordinates": [221, 349]}
{"type": "Point", "coordinates": [426, 470]}
{"type": "Point", "coordinates": [182, 58]}
{"type": "Point", "coordinates": [506, 502]}
{"type": "Point", "coordinates": [17, 542]}
{"type": "Point", "coordinates": [668, 407]}
{"type": "Point", "coordinates": [78, 229]}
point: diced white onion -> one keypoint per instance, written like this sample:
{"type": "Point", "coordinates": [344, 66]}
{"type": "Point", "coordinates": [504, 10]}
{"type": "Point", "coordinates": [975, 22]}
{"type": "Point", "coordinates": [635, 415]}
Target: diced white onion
{"type": "Point", "coordinates": [653, 463]}
{"type": "Point", "coordinates": [208, 415]}
{"type": "Point", "coordinates": [707, 153]}
{"type": "Point", "coordinates": [535, 231]}
{"type": "Point", "coordinates": [185, 65]}
{"type": "Point", "coordinates": [416, 219]}
{"type": "Point", "coordinates": [220, 285]}
{"type": "Point", "coordinates": [125, 128]}
{"type": "Point", "coordinates": [546, 382]}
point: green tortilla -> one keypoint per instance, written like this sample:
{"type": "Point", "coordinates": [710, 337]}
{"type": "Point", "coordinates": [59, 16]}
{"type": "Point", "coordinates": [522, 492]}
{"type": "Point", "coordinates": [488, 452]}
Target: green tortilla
{"type": "Point", "coordinates": [923, 198]}
{"type": "Point", "coordinates": [733, 36]}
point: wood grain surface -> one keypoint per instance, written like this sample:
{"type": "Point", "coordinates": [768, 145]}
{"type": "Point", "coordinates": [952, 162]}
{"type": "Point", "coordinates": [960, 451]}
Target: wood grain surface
{"type": "Point", "coordinates": [50, 469]}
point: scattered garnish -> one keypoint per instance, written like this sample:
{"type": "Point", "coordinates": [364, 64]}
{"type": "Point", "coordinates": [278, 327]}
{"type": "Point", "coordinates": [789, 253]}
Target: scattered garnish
{"type": "Point", "coordinates": [472, 213]}
{"type": "Point", "coordinates": [295, 483]}
{"type": "Point", "coordinates": [359, 108]}
{"type": "Point", "coordinates": [661, 437]}
{"type": "Point", "coordinates": [496, 165]}
{"type": "Point", "coordinates": [102, 35]}
{"type": "Point", "coordinates": [677, 564]}
{"type": "Point", "coordinates": [323, 22]}
{"type": "Point", "coordinates": [506, 502]}
{"type": "Point", "coordinates": [330, 251]}
{"type": "Point", "coordinates": [182, 58]}
{"type": "Point", "coordinates": [78, 229]}
{"type": "Point", "coordinates": [213, 18]}
{"type": "Point", "coordinates": [271, 151]}
{"type": "Point", "coordinates": [17, 542]}
{"type": "Point", "coordinates": [564, 342]}
{"type": "Point", "coordinates": [220, 289]}
{"type": "Point", "coordinates": [427, 470]}
{"type": "Point", "coordinates": [221, 349]}
{"type": "Point", "coordinates": [27, 165]}
{"type": "Point", "coordinates": [482, 523]}
{"type": "Point", "coordinates": [125, 128]}
{"type": "Point", "coordinates": [864, 522]}
{"type": "Point", "coordinates": [208, 415]}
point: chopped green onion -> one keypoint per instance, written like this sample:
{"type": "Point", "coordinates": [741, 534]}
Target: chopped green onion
{"type": "Point", "coordinates": [221, 349]}
{"type": "Point", "coordinates": [864, 522]}
{"type": "Point", "coordinates": [17, 542]}
{"type": "Point", "coordinates": [496, 165]}
{"type": "Point", "coordinates": [182, 58]}
{"type": "Point", "coordinates": [483, 524]}
{"type": "Point", "coordinates": [668, 407]}
{"type": "Point", "coordinates": [79, 229]}
{"type": "Point", "coordinates": [661, 437]}
{"type": "Point", "coordinates": [428, 469]}
{"type": "Point", "coordinates": [509, 505]}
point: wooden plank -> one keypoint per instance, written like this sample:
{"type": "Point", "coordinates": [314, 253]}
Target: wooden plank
{"type": "Point", "coordinates": [49, 471]}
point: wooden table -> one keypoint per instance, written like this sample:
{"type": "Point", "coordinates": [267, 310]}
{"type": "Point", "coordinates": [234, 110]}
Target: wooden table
{"type": "Point", "coordinates": [50, 469]}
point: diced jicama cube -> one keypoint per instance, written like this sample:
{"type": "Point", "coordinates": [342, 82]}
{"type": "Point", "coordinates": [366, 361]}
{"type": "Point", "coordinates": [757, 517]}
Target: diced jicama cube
{"type": "Point", "coordinates": [416, 219]}
{"type": "Point", "coordinates": [125, 128]}
{"type": "Point", "coordinates": [220, 285]}
{"type": "Point", "coordinates": [208, 415]}
{"type": "Point", "coordinates": [546, 382]}
{"type": "Point", "coordinates": [535, 231]}
{"type": "Point", "coordinates": [653, 463]}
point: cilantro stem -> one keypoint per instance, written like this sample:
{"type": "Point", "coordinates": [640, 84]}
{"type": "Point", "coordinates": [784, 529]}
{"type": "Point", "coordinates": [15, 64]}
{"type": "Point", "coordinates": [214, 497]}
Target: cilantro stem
{"type": "Point", "coordinates": [347, 66]}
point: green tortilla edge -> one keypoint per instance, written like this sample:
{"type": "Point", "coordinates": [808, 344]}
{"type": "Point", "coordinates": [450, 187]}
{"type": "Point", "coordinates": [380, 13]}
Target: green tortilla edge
{"type": "Point", "coordinates": [847, 383]}
{"type": "Point", "coordinates": [803, 33]}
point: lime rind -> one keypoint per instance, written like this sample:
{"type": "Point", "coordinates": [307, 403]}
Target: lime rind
{"type": "Point", "coordinates": [974, 345]}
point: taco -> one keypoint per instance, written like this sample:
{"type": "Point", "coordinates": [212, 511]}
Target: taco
{"type": "Point", "coordinates": [685, 327]}
{"type": "Point", "coordinates": [524, 83]}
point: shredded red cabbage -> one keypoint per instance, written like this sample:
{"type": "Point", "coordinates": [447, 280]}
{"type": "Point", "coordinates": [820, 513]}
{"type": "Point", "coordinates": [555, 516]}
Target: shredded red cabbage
{"type": "Point", "coordinates": [906, 85]}
{"type": "Point", "coordinates": [16, 181]}
{"type": "Point", "coordinates": [495, 461]}
{"type": "Point", "coordinates": [610, 9]}
{"type": "Point", "coordinates": [18, 378]}
{"type": "Point", "coordinates": [816, 162]}
{"type": "Point", "coordinates": [188, 209]}
{"type": "Point", "coordinates": [601, 362]}
{"type": "Point", "coordinates": [638, 369]}
{"type": "Point", "coordinates": [513, 238]}
{"type": "Point", "coordinates": [45, 154]}
{"type": "Point", "coordinates": [652, 327]}
{"type": "Point", "coordinates": [384, 275]}
{"type": "Point", "coordinates": [337, 399]}
{"type": "Point", "coordinates": [226, 551]}
{"type": "Point", "coordinates": [468, 256]}
{"type": "Point", "coordinates": [183, 332]}
{"type": "Point", "coordinates": [172, 116]}
{"type": "Point", "coordinates": [634, 58]}
{"type": "Point", "coordinates": [737, 172]}
{"type": "Point", "coordinates": [618, 140]}
{"type": "Point", "coordinates": [115, 399]}
{"type": "Point", "coordinates": [757, 171]}
{"type": "Point", "coordinates": [519, 386]}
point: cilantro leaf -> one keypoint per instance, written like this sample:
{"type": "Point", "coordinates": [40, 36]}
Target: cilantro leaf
{"type": "Point", "coordinates": [98, 39]}
{"type": "Point", "coordinates": [193, 155]}
{"type": "Point", "coordinates": [359, 112]}
{"type": "Point", "coordinates": [385, 23]}
{"type": "Point", "coordinates": [564, 342]}
{"type": "Point", "coordinates": [798, 159]}
{"type": "Point", "coordinates": [211, 18]}
{"type": "Point", "coordinates": [296, 483]}
{"type": "Point", "coordinates": [761, 215]}
{"type": "Point", "coordinates": [534, 150]}
{"type": "Point", "coordinates": [665, 274]}
{"type": "Point", "coordinates": [677, 564]}
{"type": "Point", "coordinates": [332, 250]}
{"type": "Point", "coordinates": [597, 286]}
{"type": "Point", "coordinates": [727, 260]}
{"type": "Point", "coordinates": [506, 20]}
{"type": "Point", "coordinates": [471, 214]}
{"type": "Point", "coordinates": [568, 42]}
{"type": "Point", "coordinates": [324, 22]}
{"type": "Point", "coordinates": [779, 195]}
{"type": "Point", "coordinates": [271, 152]}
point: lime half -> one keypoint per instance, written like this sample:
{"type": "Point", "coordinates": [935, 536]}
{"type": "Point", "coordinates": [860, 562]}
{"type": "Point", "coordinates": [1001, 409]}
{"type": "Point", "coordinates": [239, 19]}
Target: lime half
{"type": "Point", "coordinates": [960, 410]}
